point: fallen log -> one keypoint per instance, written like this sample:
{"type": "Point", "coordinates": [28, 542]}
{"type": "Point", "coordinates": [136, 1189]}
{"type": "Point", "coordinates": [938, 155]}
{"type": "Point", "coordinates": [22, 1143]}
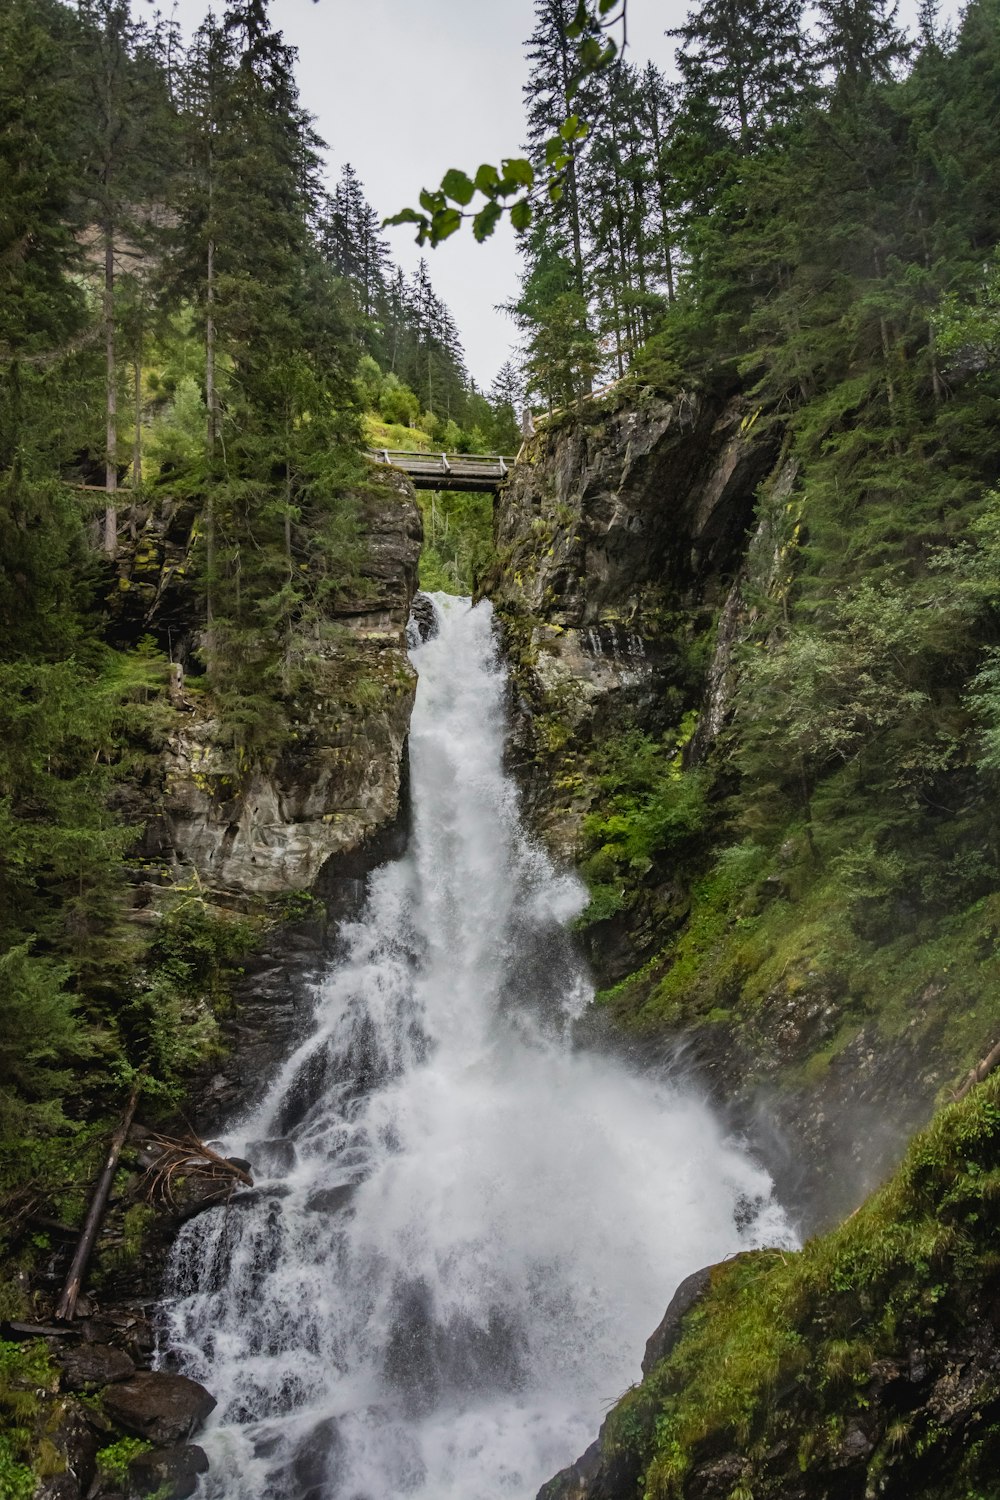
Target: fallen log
{"type": "Point", "coordinates": [981, 1071]}
{"type": "Point", "coordinates": [66, 1309]}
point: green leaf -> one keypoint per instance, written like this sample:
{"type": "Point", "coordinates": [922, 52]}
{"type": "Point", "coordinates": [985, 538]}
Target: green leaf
{"type": "Point", "coordinates": [520, 214]}
{"type": "Point", "coordinates": [553, 150]}
{"type": "Point", "coordinates": [487, 178]}
{"type": "Point", "coordinates": [431, 201]}
{"type": "Point", "coordinates": [569, 128]}
{"type": "Point", "coordinates": [579, 23]}
{"type": "Point", "coordinates": [458, 186]}
{"type": "Point", "coordinates": [405, 216]}
{"type": "Point", "coordinates": [607, 5]}
{"type": "Point", "coordinates": [555, 192]}
{"type": "Point", "coordinates": [485, 221]}
{"type": "Point", "coordinates": [519, 170]}
{"type": "Point", "coordinates": [444, 223]}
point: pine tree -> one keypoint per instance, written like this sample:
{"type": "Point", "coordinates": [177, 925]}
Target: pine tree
{"type": "Point", "coordinates": [658, 110]}
{"type": "Point", "coordinates": [549, 100]}
{"type": "Point", "coordinates": [745, 64]}
{"type": "Point", "coordinates": [860, 41]}
{"type": "Point", "coordinates": [506, 400]}
{"type": "Point", "coordinates": [351, 241]}
{"type": "Point", "coordinates": [119, 101]}
{"type": "Point", "coordinates": [561, 355]}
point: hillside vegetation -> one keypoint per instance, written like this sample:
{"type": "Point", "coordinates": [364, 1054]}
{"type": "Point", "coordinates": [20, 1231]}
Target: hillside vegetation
{"type": "Point", "coordinates": [812, 892]}
{"type": "Point", "coordinates": [192, 359]}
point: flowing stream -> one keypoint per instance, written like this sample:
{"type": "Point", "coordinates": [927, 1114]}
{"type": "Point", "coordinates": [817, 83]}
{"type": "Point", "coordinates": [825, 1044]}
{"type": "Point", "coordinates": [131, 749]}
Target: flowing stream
{"type": "Point", "coordinates": [464, 1227]}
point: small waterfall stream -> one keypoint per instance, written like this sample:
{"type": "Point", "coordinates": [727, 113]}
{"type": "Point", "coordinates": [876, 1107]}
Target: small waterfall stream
{"type": "Point", "coordinates": [464, 1228]}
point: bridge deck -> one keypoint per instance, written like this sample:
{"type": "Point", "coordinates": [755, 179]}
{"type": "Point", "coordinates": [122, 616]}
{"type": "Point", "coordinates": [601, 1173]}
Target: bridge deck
{"type": "Point", "coordinates": [447, 471]}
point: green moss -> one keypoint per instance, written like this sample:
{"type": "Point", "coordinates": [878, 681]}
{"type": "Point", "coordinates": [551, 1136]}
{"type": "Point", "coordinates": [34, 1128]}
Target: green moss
{"type": "Point", "coordinates": [27, 1374]}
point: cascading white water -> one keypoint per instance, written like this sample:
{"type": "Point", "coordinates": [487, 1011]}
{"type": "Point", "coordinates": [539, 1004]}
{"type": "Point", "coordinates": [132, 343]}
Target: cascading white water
{"type": "Point", "coordinates": [464, 1228]}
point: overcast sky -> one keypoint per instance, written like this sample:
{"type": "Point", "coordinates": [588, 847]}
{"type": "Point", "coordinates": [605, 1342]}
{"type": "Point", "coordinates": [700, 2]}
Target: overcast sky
{"type": "Point", "coordinates": [403, 90]}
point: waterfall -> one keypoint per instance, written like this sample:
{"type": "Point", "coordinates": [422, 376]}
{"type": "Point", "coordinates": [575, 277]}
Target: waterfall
{"type": "Point", "coordinates": [464, 1228]}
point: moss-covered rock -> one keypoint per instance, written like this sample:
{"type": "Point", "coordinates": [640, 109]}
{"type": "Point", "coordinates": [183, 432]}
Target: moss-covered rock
{"type": "Point", "coordinates": [864, 1365]}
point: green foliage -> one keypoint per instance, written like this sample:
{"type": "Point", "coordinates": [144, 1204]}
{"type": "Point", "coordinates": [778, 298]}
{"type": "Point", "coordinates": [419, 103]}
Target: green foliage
{"type": "Point", "coordinates": [42, 1034]}
{"type": "Point", "coordinates": [650, 808]}
{"type": "Point", "coordinates": [585, 49]}
{"type": "Point", "coordinates": [26, 1373]}
{"type": "Point", "coordinates": [969, 327]}
{"type": "Point", "coordinates": [458, 540]}
{"type": "Point", "coordinates": [170, 1023]}
{"type": "Point", "coordinates": [113, 1459]}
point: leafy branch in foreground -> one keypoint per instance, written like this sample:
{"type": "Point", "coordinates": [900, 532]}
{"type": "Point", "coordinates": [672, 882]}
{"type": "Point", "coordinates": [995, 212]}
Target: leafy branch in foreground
{"type": "Point", "coordinates": [443, 210]}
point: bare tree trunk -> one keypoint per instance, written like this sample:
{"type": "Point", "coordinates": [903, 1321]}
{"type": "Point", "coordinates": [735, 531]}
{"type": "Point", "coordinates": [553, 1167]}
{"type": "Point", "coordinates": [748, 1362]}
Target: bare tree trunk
{"type": "Point", "coordinates": [213, 433]}
{"type": "Point", "coordinates": [890, 384]}
{"type": "Point", "coordinates": [137, 434]}
{"type": "Point", "coordinates": [661, 196]}
{"type": "Point", "coordinates": [95, 1214]}
{"type": "Point", "coordinates": [111, 389]}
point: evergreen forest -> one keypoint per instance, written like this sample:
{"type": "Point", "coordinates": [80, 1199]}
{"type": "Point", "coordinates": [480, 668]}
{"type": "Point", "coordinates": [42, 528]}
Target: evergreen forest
{"type": "Point", "coordinates": [193, 323]}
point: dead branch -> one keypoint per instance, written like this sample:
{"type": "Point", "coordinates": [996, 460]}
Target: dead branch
{"type": "Point", "coordinates": [187, 1157]}
{"type": "Point", "coordinates": [977, 1074]}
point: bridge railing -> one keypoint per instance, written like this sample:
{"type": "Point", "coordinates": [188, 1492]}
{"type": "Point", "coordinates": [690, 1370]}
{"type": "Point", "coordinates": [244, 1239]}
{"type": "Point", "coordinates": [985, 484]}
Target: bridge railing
{"type": "Point", "coordinates": [489, 465]}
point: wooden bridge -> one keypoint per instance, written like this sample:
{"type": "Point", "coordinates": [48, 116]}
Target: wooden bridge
{"type": "Point", "coordinates": [447, 471]}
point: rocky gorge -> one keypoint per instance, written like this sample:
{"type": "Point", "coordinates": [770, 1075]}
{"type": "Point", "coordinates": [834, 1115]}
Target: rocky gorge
{"type": "Point", "coordinates": [634, 546]}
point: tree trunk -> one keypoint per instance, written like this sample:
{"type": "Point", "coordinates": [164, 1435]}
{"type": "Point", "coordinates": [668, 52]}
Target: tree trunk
{"type": "Point", "coordinates": [111, 390]}
{"type": "Point", "coordinates": [661, 196]}
{"type": "Point", "coordinates": [213, 432]}
{"type": "Point", "coordinates": [66, 1309]}
{"type": "Point", "coordinates": [137, 434]}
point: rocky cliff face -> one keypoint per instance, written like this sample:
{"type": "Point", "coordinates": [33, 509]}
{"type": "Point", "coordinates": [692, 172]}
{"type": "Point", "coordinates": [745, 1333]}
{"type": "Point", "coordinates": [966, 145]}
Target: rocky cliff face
{"type": "Point", "coordinates": [258, 837]}
{"type": "Point", "coordinates": [269, 830]}
{"type": "Point", "coordinates": [618, 541]}
{"type": "Point", "coordinates": [630, 548]}
{"type": "Point", "coordinates": [627, 504]}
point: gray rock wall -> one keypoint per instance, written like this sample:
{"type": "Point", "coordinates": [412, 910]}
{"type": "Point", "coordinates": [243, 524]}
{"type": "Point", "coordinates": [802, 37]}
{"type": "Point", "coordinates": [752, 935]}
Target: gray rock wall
{"type": "Point", "coordinates": [271, 830]}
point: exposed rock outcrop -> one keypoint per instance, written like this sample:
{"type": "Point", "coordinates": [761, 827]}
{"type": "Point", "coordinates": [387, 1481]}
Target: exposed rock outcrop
{"type": "Point", "coordinates": [168, 1473]}
{"type": "Point", "coordinates": [618, 539]}
{"type": "Point", "coordinates": [159, 1407]}
{"type": "Point", "coordinates": [267, 830]}
{"type": "Point", "coordinates": [634, 545]}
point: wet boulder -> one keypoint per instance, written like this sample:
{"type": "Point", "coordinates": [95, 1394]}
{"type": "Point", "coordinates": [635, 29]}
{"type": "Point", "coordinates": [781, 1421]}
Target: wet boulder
{"type": "Point", "coordinates": [330, 1200]}
{"type": "Point", "coordinates": [61, 1426]}
{"type": "Point", "coordinates": [664, 1337]}
{"type": "Point", "coordinates": [93, 1365]}
{"type": "Point", "coordinates": [168, 1473]}
{"type": "Point", "coordinates": [162, 1408]}
{"type": "Point", "coordinates": [313, 1464]}
{"type": "Point", "coordinates": [273, 1158]}
{"type": "Point", "coordinates": [423, 621]}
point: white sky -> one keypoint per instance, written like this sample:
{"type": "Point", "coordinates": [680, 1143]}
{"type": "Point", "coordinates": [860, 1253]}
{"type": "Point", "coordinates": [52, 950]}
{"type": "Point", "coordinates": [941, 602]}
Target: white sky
{"type": "Point", "coordinates": [405, 89]}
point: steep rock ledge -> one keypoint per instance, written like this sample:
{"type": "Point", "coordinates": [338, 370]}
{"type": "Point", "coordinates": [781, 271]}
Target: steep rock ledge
{"type": "Point", "coordinates": [269, 831]}
{"type": "Point", "coordinates": [618, 540]}
{"type": "Point", "coordinates": [286, 842]}
{"type": "Point", "coordinates": [630, 547]}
